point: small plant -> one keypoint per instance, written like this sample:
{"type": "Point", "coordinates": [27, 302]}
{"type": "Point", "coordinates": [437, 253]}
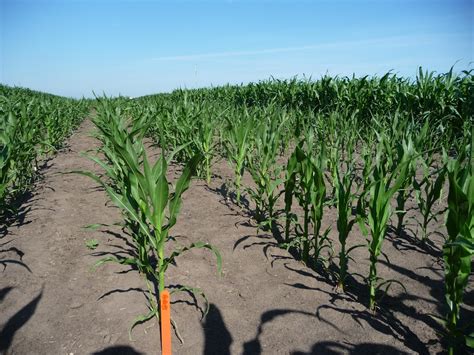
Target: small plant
{"type": "Point", "coordinates": [92, 243]}
{"type": "Point", "coordinates": [405, 190]}
{"type": "Point", "coordinates": [203, 140]}
{"type": "Point", "coordinates": [343, 182]}
{"type": "Point", "coordinates": [427, 193]}
{"type": "Point", "coordinates": [237, 147]}
{"type": "Point", "coordinates": [265, 171]}
{"type": "Point", "coordinates": [379, 194]}
{"type": "Point", "coordinates": [5, 161]}
{"type": "Point", "coordinates": [290, 185]}
{"type": "Point", "coordinates": [305, 181]}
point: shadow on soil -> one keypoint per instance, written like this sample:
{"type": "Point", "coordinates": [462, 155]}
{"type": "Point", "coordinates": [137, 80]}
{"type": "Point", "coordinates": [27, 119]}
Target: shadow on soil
{"type": "Point", "coordinates": [4, 292]}
{"type": "Point", "coordinates": [272, 235]}
{"type": "Point", "coordinates": [406, 242]}
{"type": "Point", "coordinates": [12, 250]}
{"type": "Point", "coordinates": [18, 320]}
{"type": "Point", "coordinates": [254, 346]}
{"type": "Point", "coordinates": [217, 337]}
{"type": "Point", "coordinates": [329, 348]}
{"type": "Point", "coordinates": [20, 204]}
{"type": "Point", "coordinates": [384, 321]}
{"type": "Point", "coordinates": [118, 350]}
{"type": "Point", "coordinates": [387, 319]}
{"type": "Point", "coordinates": [119, 290]}
{"type": "Point", "coordinates": [229, 199]}
{"type": "Point", "coordinates": [16, 215]}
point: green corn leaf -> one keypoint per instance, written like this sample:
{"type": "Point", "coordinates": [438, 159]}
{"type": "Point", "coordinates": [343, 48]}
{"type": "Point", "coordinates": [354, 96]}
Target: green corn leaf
{"type": "Point", "coordinates": [161, 195]}
{"type": "Point", "coordinates": [141, 319]}
{"type": "Point", "coordinates": [470, 340]}
{"type": "Point", "coordinates": [95, 226]}
{"type": "Point", "coordinates": [119, 201]}
{"type": "Point", "coordinates": [181, 186]}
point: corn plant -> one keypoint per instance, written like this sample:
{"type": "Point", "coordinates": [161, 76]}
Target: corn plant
{"type": "Point", "coordinates": [318, 199]}
{"type": "Point", "coordinates": [344, 199]}
{"type": "Point", "coordinates": [343, 182]}
{"type": "Point", "coordinates": [265, 171]}
{"type": "Point", "coordinates": [290, 185]}
{"type": "Point", "coordinates": [427, 193]}
{"type": "Point", "coordinates": [237, 144]}
{"type": "Point", "coordinates": [177, 126]}
{"type": "Point", "coordinates": [5, 160]}
{"type": "Point", "coordinates": [203, 140]}
{"type": "Point", "coordinates": [305, 180]}
{"type": "Point", "coordinates": [458, 250]}
{"type": "Point", "coordinates": [379, 194]}
{"type": "Point", "coordinates": [420, 140]}
{"type": "Point", "coordinates": [142, 192]}
{"type": "Point", "coordinates": [305, 196]}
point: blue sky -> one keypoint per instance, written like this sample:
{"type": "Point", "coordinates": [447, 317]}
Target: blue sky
{"type": "Point", "coordinates": [72, 47]}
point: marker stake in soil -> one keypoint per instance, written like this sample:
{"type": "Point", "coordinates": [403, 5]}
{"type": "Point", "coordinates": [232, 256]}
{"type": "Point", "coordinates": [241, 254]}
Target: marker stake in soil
{"type": "Point", "coordinates": [165, 323]}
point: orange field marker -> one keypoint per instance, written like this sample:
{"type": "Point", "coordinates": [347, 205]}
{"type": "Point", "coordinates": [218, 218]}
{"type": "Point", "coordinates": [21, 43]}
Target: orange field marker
{"type": "Point", "coordinates": [165, 323]}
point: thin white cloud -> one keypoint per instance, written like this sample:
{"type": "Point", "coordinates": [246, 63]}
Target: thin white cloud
{"type": "Point", "coordinates": [234, 53]}
{"type": "Point", "coordinates": [391, 41]}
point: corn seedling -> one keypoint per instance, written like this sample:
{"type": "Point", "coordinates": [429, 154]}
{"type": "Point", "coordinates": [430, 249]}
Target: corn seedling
{"type": "Point", "coordinates": [379, 194]}
{"type": "Point", "coordinates": [265, 171]}
{"type": "Point", "coordinates": [305, 180]}
{"type": "Point", "coordinates": [237, 146]}
{"type": "Point", "coordinates": [420, 140]}
{"type": "Point", "coordinates": [203, 140]}
{"type": "Point", "coordinates": [5, 158]}
{"type": "Point", "coordinates": [290, 185]}
{"type": "Point", "coordinates": [427, 193]}
{"type": "Point", "coordinates": [343, 182]}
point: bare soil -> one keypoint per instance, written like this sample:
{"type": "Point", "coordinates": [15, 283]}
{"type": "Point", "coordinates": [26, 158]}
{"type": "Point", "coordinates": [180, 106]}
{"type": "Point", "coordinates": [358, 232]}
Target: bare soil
{"type": "Point", "coordinates": [266, 301]}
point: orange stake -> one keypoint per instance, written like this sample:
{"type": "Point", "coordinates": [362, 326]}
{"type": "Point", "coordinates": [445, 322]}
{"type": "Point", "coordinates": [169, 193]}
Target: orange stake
{"type": "Point", "coordinates": [165, 323]}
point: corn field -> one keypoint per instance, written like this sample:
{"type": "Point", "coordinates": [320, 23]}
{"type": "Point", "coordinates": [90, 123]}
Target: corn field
{"type": "Point", "coordinates": [361, 148]}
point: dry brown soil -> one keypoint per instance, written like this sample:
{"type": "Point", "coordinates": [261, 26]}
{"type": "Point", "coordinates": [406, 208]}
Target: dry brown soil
{"type": "Point", "coordinates": [265, 302]}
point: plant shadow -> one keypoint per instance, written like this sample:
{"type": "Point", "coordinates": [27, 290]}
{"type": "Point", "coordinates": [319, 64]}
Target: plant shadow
{"type": "Point", "coordinates": [217, 338]}
{"type": "Point", "coordinates": [336, 348]}
{"type": "Point", "coordinates": [406, 242]}
{"type": "Point", "coordinates": [118, 350]}
{"type": "Point", "coordinates": [15, 215]}
{"type": "Point", "coordinates": [254, 345]}
{"type": "Point", "coordinates": [18, 320]}
{"type": "Point", "coordinates": [229, 199]}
